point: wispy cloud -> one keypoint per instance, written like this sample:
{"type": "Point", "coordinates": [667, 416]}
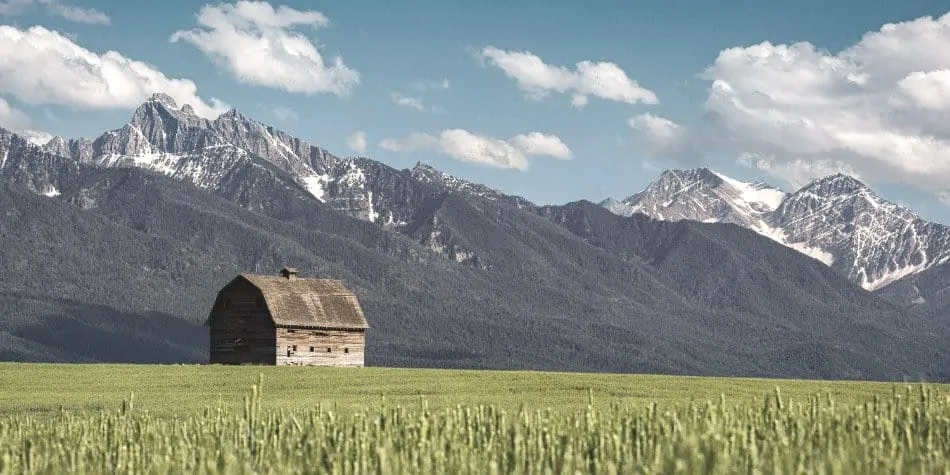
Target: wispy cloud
{"type": "Point", "coordinates": [408, 101]}
{"type": "Point", "coordinates": [416, 101]}
{"type": "Point", "coordinates": [285, 114]}
{"type": "Point", "coordinates": [76, 14]}
{"type": "Point", "coordinates": [423, 86]}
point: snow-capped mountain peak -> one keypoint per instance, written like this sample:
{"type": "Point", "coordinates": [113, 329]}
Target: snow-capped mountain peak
{"type": "Point", "coordinates": [835, 185]}
{"type": "Point", "coordinates": [836, 219]}
{"type": "Point", "coordinates": [701, 194]}
{"type": "Point", "coordinates": [163, 99]}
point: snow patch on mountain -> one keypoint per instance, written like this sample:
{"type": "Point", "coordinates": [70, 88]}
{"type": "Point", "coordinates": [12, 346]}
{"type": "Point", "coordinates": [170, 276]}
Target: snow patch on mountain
{"type": "Point", "coordinates": [756, 196]}
{"type": "Point", "coordinates": [354, 176]}
{"type": "Point", "coordinates": [780, 237]}
{"type": "Point", "coordinates": [36, 137]}
{"type": "Point", "coordinates": [315, 185]}
{"type": "Point", "coordinates": [371, 214]}
{"type": "Point", "coordinates": [163, 163]}
{"type": "Point", "coordinates": [890, 277]}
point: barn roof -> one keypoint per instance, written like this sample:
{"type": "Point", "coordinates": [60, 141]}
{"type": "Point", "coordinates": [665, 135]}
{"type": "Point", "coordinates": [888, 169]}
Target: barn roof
{"type": "Point", "coordinates": [320, 303]}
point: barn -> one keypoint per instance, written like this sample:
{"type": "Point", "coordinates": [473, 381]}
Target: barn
{"type": "Point", "coordinates": [286, 320]}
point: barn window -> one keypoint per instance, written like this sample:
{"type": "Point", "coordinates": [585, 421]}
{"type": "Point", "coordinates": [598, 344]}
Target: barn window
{"type": "Point", "coordinates": [295, 347]}
{"type": "Point", "coordinates": [346, 350]}
{"type": "Point", "coordinates": [328, 350]}
{"type": "Point", "coordinates": [311, 349]}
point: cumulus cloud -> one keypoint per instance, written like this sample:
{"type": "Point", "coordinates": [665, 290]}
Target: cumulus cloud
{"type": "Point", "coordinates": [878, 108]}
{"type": "Point", "coordinates": [259, 45]}
{"type": "Point", "coordinates": [89, 16]}
{"type": "Point", "coordinates": [40, 66]}
{"type": "Point", "coordinates": [536, 143]}
{"type": "Point", "coordinates": [407, 101]}
{"type": "Point", "coordinates": [468, 147]}
{"type": "Point", "coordinates": [538, 79]}
{"type": "Point", "coordinates": [357, 141]}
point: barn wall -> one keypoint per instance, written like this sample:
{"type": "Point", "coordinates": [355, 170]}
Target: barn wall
{"type": "Point", "coordinates": [346, 348]}
{"type": "Point", "coordinates": [242, 331]}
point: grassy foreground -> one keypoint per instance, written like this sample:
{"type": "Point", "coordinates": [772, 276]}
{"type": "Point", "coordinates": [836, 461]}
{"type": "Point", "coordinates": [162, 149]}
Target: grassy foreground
{"type": "Point", "coordinates": [202, 419]}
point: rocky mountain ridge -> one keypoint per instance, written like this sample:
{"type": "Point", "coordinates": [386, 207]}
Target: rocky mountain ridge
{"type": "Point", "coordinates": [836, 219]}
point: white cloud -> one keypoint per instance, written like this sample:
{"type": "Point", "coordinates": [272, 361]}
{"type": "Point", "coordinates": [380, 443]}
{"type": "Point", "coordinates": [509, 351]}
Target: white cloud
{"type": "Point", "coordinates": [663, 138]}
{"type": "Point", "coordinates": [879, 108]}
{"type": "Point", "coordinates": [258, 44]}
{"type": "Point", "coordinates": [18, 122]}
{"type": "Point", "coordinates": [11, 118]}
{"type": "Point", "coordinates": [797, 172]}
{"type": "Point", "coordinates": [40, 66]}
{"type": "Point", "coordinates": [407, 101]}
{"type": "Point", "coordinates": [601, 79]}
{"type": "Point", "coordinates": [929, 91]}
{"type": "Point", "coordinates": [536, 143]}
{"type": "Point", "coordinates": [468, 147]}
{"type": "Point", "coordinates": [285, 114]}
{"type": "Point", "coordinates": [89, 16]}
{"type": "Point", "coordinates": [357, 141]}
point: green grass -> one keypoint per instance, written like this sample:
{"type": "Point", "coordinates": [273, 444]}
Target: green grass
{"type": "Point", "coordinates": [177, 390]}
{"type": "Point", "coordinates": [204, 419]}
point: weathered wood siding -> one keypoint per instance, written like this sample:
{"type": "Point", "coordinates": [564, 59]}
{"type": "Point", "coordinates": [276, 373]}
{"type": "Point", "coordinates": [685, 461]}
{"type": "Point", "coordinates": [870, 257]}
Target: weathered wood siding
{"type": "Point", "coordinates": [242, 331]}
{"type": "Point", "coordinates": [320, 347]}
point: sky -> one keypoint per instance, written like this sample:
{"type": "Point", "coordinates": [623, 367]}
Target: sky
{"type": "Point", "coordinates": [553, 101]}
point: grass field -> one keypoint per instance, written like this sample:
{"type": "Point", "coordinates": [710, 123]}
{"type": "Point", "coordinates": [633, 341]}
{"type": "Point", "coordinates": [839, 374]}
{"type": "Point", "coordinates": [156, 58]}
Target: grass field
{"type": "Point", "coordinates": [176, 390]}
{"type": "Point", "coordinates": [204, 419]}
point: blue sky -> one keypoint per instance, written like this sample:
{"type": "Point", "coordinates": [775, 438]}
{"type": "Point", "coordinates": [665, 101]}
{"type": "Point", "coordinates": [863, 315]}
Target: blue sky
{"type": "Point", "coordinates": [412, 49]}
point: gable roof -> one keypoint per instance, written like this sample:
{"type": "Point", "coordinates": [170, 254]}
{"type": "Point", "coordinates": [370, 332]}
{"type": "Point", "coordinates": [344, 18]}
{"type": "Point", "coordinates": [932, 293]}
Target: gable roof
{"type": "Point", "coordinates": [317, 303]}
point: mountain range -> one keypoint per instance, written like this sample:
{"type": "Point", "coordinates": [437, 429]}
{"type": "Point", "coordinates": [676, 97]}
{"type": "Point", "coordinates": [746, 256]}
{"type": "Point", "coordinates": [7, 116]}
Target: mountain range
{"type": "Point", "coordinates": [114, 249]}
{"type": "Point", "coordinates": [837, 220]}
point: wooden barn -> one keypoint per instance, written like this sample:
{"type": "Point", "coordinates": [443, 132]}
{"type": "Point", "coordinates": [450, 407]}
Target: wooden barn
{"type": "Point", "coordinates": [287, 320]}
